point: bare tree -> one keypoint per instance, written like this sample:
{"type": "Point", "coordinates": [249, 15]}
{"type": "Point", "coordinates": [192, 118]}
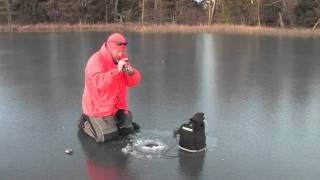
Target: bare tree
{"type": "Point", "coordinates": [286, 11]}
{"type": "Point", "coordinates": [258, 10]}
{"type": "Point", "coordinates": [106, 4]}
{"type": "Point", "coordinates": [281, 4]}
{"type": "Point", "coordinates": [115, 10]}
{"type": "Point", "coordinates": [54, 6]}
{"type": "Point", "coordinates": [284, 7]}
{"type": "Point", "coordinates": [9, 12]}
{"type": "Point", "coordinates": [211, 10]}
{"type": "Point", "coordinates": [210, 6]}
{"type": "Point", "coordinates": [142, 12]}
{"type": "Point", "coordinates": [290, 7]}
{"type": "Point", "coordinates": [157, 6]}
{"type": "Point", "coordinates": [177, 13]}
{"type": "Point", "coordinates": [315, 26]}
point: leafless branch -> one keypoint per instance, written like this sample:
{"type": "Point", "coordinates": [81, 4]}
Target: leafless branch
{"type": "Point", "coordinates": [273, 3]}
{"type": "Point", "coordinates": [315, 26]}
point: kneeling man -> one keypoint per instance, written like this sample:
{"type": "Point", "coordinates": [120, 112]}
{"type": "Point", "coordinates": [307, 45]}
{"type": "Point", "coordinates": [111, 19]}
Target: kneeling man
{"type": "Point", "coordinates": [108, 74]}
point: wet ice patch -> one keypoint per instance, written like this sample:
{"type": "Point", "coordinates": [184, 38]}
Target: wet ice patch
{"type": "Point", "coordinates": [153, 144]}
{"type": "Point", "coordinates": [145, 148]}
{"type": "Point", "coordinates": [148, 144]}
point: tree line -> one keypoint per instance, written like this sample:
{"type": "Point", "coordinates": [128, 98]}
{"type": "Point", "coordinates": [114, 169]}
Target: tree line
{"type": "Point", "coordinates": [276, 13]}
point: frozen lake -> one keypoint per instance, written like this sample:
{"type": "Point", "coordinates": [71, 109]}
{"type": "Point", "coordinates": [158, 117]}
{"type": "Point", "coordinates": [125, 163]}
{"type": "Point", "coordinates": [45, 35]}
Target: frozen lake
{"type": "Point", "coordinates": [260, 96]}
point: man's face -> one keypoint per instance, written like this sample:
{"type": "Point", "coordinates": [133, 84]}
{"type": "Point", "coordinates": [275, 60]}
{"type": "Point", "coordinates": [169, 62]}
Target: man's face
{"type": "Point", "coordinates": [117, 55]}
{"type": "Point", "coordinates": [116, 44]}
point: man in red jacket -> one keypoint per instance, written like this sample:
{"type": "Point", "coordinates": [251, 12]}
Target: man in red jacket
{"type": "Point", "coordinates": [108, 74]}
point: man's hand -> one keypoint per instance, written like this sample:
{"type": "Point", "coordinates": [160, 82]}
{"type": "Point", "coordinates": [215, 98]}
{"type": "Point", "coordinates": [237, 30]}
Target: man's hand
{"type": "Point", "coordinates": [128, 69]}
{"type": "Point", "coordinates": [124, 66]}
{"type": "Point", "coordinates": [122, 63]}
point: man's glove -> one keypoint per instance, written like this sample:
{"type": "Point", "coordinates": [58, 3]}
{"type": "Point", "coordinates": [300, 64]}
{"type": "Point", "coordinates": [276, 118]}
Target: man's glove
{"type": "Point", "coordinates": [128, 69]}
{"type": "Point", "coordinates": [120, 117]}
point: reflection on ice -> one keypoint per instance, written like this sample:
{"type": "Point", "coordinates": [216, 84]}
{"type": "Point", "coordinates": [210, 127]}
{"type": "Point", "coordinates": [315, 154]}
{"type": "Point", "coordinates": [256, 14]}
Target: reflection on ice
{"type": "Point", "coordinates": [212, 142]}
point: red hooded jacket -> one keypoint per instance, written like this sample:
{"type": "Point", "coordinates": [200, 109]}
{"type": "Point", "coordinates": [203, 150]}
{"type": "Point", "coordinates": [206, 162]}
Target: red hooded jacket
{"type": "Point", "coordinates": [105, 89]}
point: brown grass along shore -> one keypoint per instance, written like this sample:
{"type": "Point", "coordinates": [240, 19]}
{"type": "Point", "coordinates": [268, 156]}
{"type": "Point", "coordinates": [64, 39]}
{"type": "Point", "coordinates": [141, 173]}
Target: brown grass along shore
{"type": "Point", "coordinates": [146, 28]}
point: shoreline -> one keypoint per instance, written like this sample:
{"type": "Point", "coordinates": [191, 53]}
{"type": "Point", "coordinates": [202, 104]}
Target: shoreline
{"type": "Point", "coordinates": [165, 28]}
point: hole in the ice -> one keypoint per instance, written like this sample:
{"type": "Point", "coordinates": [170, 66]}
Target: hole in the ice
{"type": "Point", "coordinates": [150, 146]}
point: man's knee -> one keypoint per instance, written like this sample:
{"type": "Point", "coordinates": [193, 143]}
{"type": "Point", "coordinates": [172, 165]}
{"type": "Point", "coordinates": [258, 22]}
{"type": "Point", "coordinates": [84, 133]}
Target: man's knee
{"type": "Point", "coordinates": [109, 128]}
{"type": "Point", "coordinates": [101, 129]}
